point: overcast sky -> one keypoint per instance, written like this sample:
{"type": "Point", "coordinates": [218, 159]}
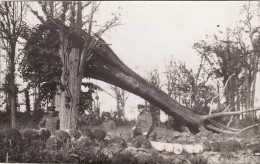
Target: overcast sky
{"type": "Point", "coordinates": [154, 31]}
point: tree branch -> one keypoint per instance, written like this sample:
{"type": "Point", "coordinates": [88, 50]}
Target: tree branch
{"type": "Point", "coordinates": [36, 14]}
{"type": "Point", "coordinates": [219, 93]}
{"type": "Point", "coordinates": [228, 113]}
{"type": "Point", "coordinates": [249, 127]}
{"type": "Point", "coordinates": [221, 130]}
{"type": "Point", "coordinates": [218, 124]}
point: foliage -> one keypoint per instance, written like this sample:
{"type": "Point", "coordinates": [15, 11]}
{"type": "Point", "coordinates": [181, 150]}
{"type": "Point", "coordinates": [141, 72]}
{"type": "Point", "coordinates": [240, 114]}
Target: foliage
{"type": "Point", "coordinates": [226, 148]}
{"type": "Point", "coordinates": [225, 59]}
{"type": "Point", "coordinates": [91, 119]}
{"type": "Point", "coordinates": [86, 98]}
{"type": "Point", "coordinates": [189, 87]}
{"type": "Point", "coordinates": [232, 57]}
{"type": "Point", "coordinates": [41, 65]}
{"type": "Point", "coordinates": [195, 159]}
{"type": "Point", "coordinates": [6, 89]}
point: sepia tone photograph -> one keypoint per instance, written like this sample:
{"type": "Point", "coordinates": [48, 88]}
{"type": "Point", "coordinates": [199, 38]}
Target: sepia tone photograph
{"type": "Point", "coordinates": [135, 82]}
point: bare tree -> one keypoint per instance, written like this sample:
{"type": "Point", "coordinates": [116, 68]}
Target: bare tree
{"type": "Point", "coordinates": [11, 28]}
{"type": "Point", "coordinates": [121, 97]}
{"type": "Point", "coordinates": [154, 78]}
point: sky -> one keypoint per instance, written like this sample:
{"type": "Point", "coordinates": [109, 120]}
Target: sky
{"type": "Point", "coordinates": [154, 32]}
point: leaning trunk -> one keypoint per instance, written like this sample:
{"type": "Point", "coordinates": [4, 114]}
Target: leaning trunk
{"type": "Point", "coordinates": [106, 66]}
{"type": "Point", "coordinates": [67, 97]}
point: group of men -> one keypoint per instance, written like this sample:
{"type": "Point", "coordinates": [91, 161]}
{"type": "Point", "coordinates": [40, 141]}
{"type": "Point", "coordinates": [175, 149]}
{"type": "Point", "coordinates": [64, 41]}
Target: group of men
{"type": "Point", "coordinates": [143, 125]}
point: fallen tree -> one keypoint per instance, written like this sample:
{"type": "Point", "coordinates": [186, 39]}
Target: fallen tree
{"type": "Point", "coordinates": [103, 64]}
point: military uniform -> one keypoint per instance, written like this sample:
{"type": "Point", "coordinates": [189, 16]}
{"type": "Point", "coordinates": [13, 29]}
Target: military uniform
{"type": "Point", "coordinates": [52, 123]}
{"type": "Point", "coordinates": [143, 124]}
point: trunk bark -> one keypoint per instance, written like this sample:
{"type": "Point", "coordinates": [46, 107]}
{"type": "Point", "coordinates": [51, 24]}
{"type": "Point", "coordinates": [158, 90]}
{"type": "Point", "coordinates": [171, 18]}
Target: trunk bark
{"type": "Point", "coordinates": [67, 96]}
{"type": "Point", "coordinates": [106, 66]}
{"type": "Point", "coordinates": [12, 87]}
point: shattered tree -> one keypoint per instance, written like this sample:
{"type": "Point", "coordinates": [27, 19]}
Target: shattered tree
{"type": "Point", "coordinates": [103, 64]}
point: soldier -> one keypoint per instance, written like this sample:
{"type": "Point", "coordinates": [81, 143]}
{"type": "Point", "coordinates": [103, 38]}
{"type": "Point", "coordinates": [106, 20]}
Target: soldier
{"type": "Point", "coordinates": [108, 124]}
{"type": "Point", "coordinates": [50, 121]}
{"type": "Point", "coordinates": [144, 123]}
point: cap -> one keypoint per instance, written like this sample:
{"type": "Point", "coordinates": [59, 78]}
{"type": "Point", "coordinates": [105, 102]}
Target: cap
{"type": "Point", "coordinates": [140, 105]}
{"type": "Point", "coordinates": [51, 108]}
{"type": "Point", "coordinates": [106, 114]}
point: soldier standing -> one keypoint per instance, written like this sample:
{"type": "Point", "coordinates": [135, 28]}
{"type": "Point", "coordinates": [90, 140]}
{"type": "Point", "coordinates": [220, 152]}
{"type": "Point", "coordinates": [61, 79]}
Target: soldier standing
{"type": "Point", "coordinates": [144, 123]}
{"type": "Point", "coordinates": [50, 121]}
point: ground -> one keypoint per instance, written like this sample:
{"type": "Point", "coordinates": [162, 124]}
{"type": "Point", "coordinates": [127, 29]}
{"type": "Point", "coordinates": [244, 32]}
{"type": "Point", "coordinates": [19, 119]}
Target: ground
{"type": "Point", "coordinates": [218, 148]}
{"type": "Point", "coordinates": [225, 154]}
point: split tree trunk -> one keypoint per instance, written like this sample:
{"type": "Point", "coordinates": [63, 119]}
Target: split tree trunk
{"type": "Point", "coordinates": [67, 97]}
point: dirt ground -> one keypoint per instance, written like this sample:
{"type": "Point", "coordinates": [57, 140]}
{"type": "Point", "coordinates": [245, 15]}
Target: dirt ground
{"type": "Point", "coordinates": [242, 155]}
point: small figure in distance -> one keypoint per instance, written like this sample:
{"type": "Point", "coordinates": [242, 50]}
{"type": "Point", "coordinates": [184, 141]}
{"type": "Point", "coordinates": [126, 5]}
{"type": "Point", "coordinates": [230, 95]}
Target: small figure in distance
{"type": "Point", "coordinates": [108, 124]}
{"type": "Point", "coordinates": [50, 121]}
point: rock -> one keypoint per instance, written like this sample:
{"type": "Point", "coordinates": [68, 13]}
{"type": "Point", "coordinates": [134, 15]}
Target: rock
{"type": "Point", "coordinates": [190, 140]}
{"type": "Point", "coordinates": [216, 146]}
{"type": "Point", "coordinates": [111, 151]}
{"type": "Point", "coordinates": [176, 134]}
{"type": "Point", "coordinates": [193, 149]}
{"type": "Point", "coordinates": [210, 138]}
{"type": "Point", "coordinates": [203, 138]}
{"type": "Point", "coordinates": [13, 135]}
{"type": "Point", "coordinates": [44, 134]}
{"type": "Point", "coordinates": [53, 143]}
{"type": "Point", "coordinates": [177, 148]}
{"type": "Point", "coordinates": [118, 142]}
{"type": "Point", "coordinates": [62, 135]}
{"type": "Point", "coordinates": [184, 134]}
{"type": "Point", "coordinates": [73, 134]}
{"type": "Point", "coordinates": [169, 147]}
{"type": "Point", "coordinates": [141, 142]}
{"type": "Point", "coordinates": [188, 148]}
{"type": "Point", "coordinates": [234, 155]}
{"type": "Point", "coordinates": [198, 149]}
{"type": "Point", "coordinates": [181, 139]}
{"type": "Point", "coordinates": [257, 154]}
{"type": "Point", "coordinates": [109, 136]}
{"type": "Point", "coordinates": [159, 146]}
{"type": "Point", "coordinates": [162, 139]}
{"type": "Point", "coordinates": [107, 152]}
{"type": "Point", "coordinates": [82, 142]}
{"type": "Point", "coordinates": [99, 134]}
{"type": "Point", "coordinates": [206, 146]}
{"type": "Point", "coordinates": [30, 134]}
{"type": "Point", "coordinates": [87, 133]}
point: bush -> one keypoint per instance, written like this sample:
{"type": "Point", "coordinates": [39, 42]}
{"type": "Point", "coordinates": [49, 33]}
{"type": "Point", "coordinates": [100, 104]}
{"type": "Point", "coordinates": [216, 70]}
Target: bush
{"type": "Point", "coordinates": [92, 119]}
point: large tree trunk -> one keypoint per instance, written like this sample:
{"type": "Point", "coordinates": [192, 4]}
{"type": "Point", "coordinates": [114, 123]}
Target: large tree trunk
{"type": "Point", "coordinates": [12, 87]}
{"type": "Point", "coordinates": [67, 97]}
{"type": "Point", "coordinates": [106, 66]}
